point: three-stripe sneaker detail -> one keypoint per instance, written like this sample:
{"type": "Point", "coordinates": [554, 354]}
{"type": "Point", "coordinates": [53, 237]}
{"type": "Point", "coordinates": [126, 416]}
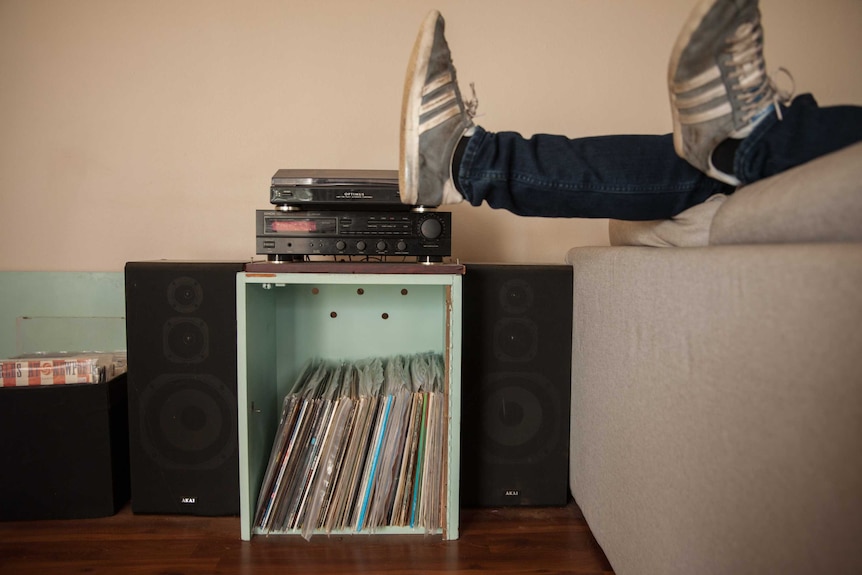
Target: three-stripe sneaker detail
{"type": "Point", "coordinates": [717, 80]}
{"type": "Point", "coordinates": [440, 102]}
{"type": "Point", "coordinates": [433, 120]}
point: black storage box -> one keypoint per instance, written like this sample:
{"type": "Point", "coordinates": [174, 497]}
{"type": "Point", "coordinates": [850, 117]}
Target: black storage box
{"type": "Point", "coordinates": [64, 450]}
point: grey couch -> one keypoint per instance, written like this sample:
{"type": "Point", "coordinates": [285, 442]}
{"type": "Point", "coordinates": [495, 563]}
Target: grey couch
{"type": "Point", "coordinates": [717, 381]}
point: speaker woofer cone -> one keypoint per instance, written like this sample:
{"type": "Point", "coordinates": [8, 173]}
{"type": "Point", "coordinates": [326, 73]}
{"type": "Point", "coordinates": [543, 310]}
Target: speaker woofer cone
{"type": "Point", "coordinates": [517, 420]}
{"type": "Point", "coordinates": [188, 421]}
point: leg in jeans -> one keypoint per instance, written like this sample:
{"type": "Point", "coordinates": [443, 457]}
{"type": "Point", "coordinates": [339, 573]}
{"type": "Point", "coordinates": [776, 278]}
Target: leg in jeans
{"type": "Point", "coordinates": [805, 131]}
{"type": "Point", "coordinates": [730, 128]}
{"type": "Point", "coordinates": [638, 177]}
{"type": "Point", "coordinates": [623, 177]}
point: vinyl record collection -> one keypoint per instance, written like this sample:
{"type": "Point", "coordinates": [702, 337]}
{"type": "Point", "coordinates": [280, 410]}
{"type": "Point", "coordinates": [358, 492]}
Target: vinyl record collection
{"type": "Point", "coordinates": [360, 446]}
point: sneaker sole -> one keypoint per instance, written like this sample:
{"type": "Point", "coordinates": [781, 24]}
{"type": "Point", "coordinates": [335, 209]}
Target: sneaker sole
{"type": "Point", "coordinates": [691, 25]}
{"type": "Point", "coordinates": [417, 71]}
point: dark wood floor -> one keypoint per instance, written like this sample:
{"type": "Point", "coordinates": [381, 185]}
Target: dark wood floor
{"type": "Point", "coordinates": [514, 540]}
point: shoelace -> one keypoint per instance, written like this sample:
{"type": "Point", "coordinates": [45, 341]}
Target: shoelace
{"type": "Point", "coordinates": [782, 96]}
{"type": "Point", "coordinates": [754, 85]}
{"type": "Point", "coordinates": [471, 106]}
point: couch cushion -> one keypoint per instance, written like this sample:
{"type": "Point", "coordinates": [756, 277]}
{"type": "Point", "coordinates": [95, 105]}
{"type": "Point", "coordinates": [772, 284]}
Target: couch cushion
{"type": "Point", "coordinates": [820, 201]}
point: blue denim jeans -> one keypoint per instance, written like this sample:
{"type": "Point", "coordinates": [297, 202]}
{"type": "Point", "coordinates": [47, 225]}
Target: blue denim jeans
{"type": "Point", "coordinates": [637, 177]}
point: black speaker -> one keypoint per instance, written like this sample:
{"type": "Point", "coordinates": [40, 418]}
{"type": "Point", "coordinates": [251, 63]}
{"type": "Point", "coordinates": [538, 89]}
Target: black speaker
{"type": "Point", "coordinates": [516, 380]}
{"type": "Point", "coordinates": [182, 378]}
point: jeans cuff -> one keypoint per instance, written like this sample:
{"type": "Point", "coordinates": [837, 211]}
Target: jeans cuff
{"type": "Point", "coordinates": [462, 178]}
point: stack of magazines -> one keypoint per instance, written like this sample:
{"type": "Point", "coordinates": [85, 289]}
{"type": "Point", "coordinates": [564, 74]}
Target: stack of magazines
{"type": "Point", "coordinates": [360, 446]}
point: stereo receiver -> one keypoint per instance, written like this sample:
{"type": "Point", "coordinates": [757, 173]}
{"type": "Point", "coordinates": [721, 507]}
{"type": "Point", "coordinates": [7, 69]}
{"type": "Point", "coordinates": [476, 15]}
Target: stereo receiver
{"type": "Point", "coordinates": [426, 235]}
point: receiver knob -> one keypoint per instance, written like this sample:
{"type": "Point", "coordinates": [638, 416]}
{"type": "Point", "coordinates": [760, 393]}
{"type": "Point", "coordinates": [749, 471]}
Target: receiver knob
{"type": "Point", "coordinates": [431, 228]}
{"type": "Point", "coordinates": [360, 245]}
{"type": "Point", "coordinates": [381, 246]}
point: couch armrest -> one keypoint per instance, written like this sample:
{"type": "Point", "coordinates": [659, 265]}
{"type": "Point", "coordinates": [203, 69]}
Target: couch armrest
{"type": "Point", "coordinates": [717, 407]}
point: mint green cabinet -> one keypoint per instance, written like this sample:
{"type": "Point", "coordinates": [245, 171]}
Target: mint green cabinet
{"type": "Point", "coordinates": [286, 319]}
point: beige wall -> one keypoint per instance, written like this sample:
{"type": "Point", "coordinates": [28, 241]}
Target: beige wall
{"type": "Point", "coordinates": [145, 130]}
